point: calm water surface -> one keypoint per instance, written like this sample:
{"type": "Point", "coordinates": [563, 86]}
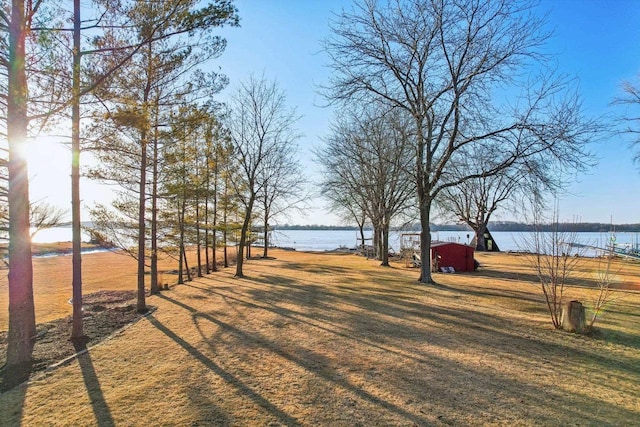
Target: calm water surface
{"type": "Point", "coordinates": [324, 240]}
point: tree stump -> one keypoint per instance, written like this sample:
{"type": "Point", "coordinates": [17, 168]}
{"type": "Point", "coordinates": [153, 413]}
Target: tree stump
{"type": "Point", "coordinates": [573, 317]}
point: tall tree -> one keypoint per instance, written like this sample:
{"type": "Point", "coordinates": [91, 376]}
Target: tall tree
{"type": "Point", "coordinates": [282, 188]}
{"type": "Point", "coordinates": [368, 160]}
{"type": "Point", "coordinates": [228, 204]}
{"type": "Point", "coordinates": [182, 183]}
{"type": "Point", "coordinates": [22, 325]}
{"type": "Point", "coordinates": [450, 66]}
{"type": "Point", "coordinates": [217, 151]}
{"type": "Point", "coordinates": [29, 96]}
{"type": "Point", "coordinates": [164, 66]}
{"type": "Point", "coordinates": [261, 126]}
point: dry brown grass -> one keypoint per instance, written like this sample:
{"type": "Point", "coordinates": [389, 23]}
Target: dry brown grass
{"type": "Point", "coordinates": [329, 339]}
{"type": "Point", "coordinates": [100, 271]}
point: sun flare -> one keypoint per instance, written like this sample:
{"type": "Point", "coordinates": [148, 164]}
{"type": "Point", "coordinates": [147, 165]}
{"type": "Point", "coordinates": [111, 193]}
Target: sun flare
{"type": "Point", "coordinates": [49, 166]}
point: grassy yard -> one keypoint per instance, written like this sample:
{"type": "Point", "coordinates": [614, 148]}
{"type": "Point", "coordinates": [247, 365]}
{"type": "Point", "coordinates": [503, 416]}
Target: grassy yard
{"type": "Point", "coordinates": [331, 339]}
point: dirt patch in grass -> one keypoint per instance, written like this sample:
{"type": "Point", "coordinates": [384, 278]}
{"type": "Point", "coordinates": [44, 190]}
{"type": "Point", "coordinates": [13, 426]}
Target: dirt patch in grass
{"type": "Point", "coordinates": [104, 313]}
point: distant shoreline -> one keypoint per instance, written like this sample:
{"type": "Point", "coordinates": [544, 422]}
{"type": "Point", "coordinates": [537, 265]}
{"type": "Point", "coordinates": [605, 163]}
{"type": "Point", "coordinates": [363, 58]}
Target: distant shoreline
{"type": "Point", "coordinates": [583, 227]}
{"type": "Point", "coordinates": [578, 227]}
{"type": "Point", "coordinates": [62, 248]}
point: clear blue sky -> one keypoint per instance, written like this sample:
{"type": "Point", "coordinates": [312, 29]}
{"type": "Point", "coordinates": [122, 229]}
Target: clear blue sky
{"type": "Point", "coordinates": [596, 41]}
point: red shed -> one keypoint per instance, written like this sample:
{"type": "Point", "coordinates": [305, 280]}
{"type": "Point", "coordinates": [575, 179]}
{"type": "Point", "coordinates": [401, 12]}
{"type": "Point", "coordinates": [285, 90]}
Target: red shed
{"type": "Point", "coordinates": [449, 254]}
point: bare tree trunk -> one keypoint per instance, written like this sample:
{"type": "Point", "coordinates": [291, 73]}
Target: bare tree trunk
{"type": "Point", "coordinates": [214, 243]}
{"type": "Point", "coordinates": [385, 244]}
{"type": "Point", "coordinates": [186, 264]}
{"type": "Point", "coordinates": [181, 243]}
{"type": "Point", "coordinates": [198, 242]}
{"type": "Point", "coordinates": [266, 238]}
{"type": "Point", "coordinates": [224, 249]}
{"type": "Point", "coordinates": [155, 289]}
{"type": "Point", "coordinates": [180, 267]}
{"type": "Point", "coordinates": [22, 323]}
{"type": "Point", "coordinates": [141, 304]}
{"type": "Point", "coordinates": [214, 258]}
{"type": "Point", "coordinates": [376, 240]}
{"type": "Point", "coordinates": [206, 223]}
{"type": "Point", "coordinates": [76, 282]}
{"type": "Point", "coordinates": [425, 244]}
{"type": "Point", "coordinates": [243, 237]}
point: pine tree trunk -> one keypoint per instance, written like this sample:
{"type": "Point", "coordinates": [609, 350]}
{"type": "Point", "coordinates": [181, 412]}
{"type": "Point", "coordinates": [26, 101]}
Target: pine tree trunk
{"type": "Point", "coordinates": [198, 241]}
{"type": "Point", "coordinates": [206, 228]}
{"type": "Point", "coordinates": [181, 243]}
{"type": "Point", "coordinates": [77, 332]}
{"type": "Point", "coordinates": [155, 288]}
{"type": "Point", "coordinates": [225, 253]}
{"type": "Point", "coordinates": [186, 264]}
{"type": "Point", "coordinates": [22, 324]}
{"type": "Point", "coordinates": [214, 262]}
{"type": "Point", "coordinates": [141, 304]}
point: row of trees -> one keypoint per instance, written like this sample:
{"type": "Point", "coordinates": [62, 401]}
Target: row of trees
{"type": "Point", "coordinates": [215, 171]}
{"type": "Point", "coordinates": [474, 101]}
{"type": "Point", "coordinates": [187, 169]}
{"type": "Point", "coordinates": [44, 78]}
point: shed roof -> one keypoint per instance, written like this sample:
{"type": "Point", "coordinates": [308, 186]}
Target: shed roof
{"type": "Point", "coordinates": [437, 244]}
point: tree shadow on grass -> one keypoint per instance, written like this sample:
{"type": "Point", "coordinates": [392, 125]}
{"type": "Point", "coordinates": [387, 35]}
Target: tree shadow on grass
{"type": "Point", "coordinates": [218, 370]}
{"type": "Point", "coordinates": [321, 302]}
{"type": "Point", "coordinates": [92, 383]}
{"type": "Point", "coordinates": [307, 360]}
{"type": "Point", "coordinates": [616, 337]}
{"type": "Point", "coordinates": [374, 327]}
{"type": "Point", "coordinates": [14, 380]}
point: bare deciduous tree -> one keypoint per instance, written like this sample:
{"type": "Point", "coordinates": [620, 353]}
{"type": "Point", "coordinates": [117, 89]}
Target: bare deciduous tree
{"type": "Point", "coordinates": [548, 254]}
{"type": "Point", "coordinates": [631, 98]}
{"type": "Point", "coordinates": [282, 188]}
{"type": "Point", "coordinates": [605, 281]}
{"type": "Point", "coordinates": [261, 129]}
{"type": "Point", "coordinates": [367, 163]}
{"type": "Point", "coordinates": [450, 66]}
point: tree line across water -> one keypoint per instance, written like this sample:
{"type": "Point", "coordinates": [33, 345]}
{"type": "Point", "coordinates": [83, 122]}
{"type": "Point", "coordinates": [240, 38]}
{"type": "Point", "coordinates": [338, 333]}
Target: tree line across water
{"type": "Point", "coordinates": [580, 227]}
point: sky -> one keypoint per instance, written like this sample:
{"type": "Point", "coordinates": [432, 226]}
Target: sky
{"type": "Point", "coordinates": [597, 42]}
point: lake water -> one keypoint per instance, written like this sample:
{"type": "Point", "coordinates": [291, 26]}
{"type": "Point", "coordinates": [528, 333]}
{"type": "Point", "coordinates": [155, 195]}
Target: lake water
{"type": "Point", "coordinates": [56, 234]}
{"type": "Point", "coordinates": [324, 240]}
